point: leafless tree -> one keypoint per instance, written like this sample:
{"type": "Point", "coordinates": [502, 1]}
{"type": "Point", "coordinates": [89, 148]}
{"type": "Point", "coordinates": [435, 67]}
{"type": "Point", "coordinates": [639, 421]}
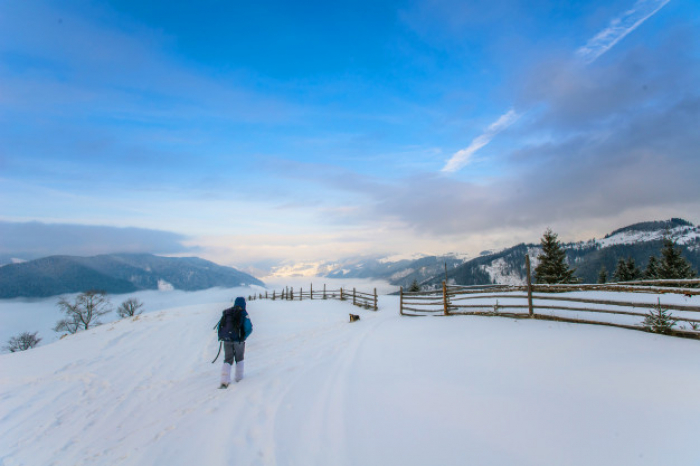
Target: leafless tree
{"type": "Point", "coordinates": [22, 342]}
{"type": "Point", "coordinates": [129, 308]}
{"type": "Point", "coordinates": [83, 312]}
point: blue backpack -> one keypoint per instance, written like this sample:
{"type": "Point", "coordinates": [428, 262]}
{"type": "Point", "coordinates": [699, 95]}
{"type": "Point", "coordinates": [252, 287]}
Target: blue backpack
{"type": "Point", "coordinates": [235, 324]}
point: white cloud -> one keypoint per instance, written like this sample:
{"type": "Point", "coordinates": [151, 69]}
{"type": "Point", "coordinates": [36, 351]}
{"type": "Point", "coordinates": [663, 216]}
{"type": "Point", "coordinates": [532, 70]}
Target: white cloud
{"type": "Point", "coordinates": [463, 157]}
{"type": "Point", "coordinates": [594, 48]}
{"type": "Point", "coordinates": [618, 29]}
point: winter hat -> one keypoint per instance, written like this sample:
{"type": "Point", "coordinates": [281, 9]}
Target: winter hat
{"type": "Point", "coordinates": [240, 302]}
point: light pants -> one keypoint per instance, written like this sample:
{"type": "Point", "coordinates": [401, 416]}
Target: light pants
{"type": "Point", "coordinates": [233, 350]}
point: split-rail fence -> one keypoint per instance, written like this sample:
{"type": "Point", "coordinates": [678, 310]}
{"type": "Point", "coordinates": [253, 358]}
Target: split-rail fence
{"type": "Point", "coordinates": [358, 298]}
{"type": "Point", "coordinates": [563, 303]}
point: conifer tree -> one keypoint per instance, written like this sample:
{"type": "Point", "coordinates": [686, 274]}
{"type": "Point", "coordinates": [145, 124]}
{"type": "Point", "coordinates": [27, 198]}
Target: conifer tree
{"type": "Point", "coordinates": [415, 287]}
{"type": "Point", "coordinates": [672, 263]}
{"type": "Point", "coordinates": [634, 272]}
{"type": "Point", "coordinates": [621, 273]}
{"type": "Point", "coordinates": [602, 275]}
{"type": "Point", "coordinates": [651, 272]}
{"type": "Point", "coordinates": [627, 270]}
{"type": "Point", "coordinates": [552, 267]}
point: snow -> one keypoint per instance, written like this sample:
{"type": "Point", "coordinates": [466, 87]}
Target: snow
{"type": "Point", "coordinates": [402, 274]}
{"type": "Point", "coordinates": [497, 274]}
{"type": "Point", "coordinates": [681, 235]}
{"type": "Point", "coordinates": [321, 391]}
{"type": "Point", "coordinates": [164, 286]}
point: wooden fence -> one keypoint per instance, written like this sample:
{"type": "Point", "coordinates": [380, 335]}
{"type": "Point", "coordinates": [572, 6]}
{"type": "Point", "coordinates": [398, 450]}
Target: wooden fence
{"type": "Point", "coordinates": [358, 298]}
{"type": "Point", "coordinates": [548, 302]}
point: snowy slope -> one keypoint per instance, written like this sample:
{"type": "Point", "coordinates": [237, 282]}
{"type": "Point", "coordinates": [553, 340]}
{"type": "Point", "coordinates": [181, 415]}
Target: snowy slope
{"type": "Point", "coordinates": [687, 234]}
{"type": "Point", "coordinates": [320, 391]}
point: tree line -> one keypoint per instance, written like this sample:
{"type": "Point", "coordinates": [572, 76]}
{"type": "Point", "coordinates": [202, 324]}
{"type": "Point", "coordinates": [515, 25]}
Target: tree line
{"type": "Point", "coordinates": [80, 314]}
{"type": "Point", "coordinates": [552, 267]}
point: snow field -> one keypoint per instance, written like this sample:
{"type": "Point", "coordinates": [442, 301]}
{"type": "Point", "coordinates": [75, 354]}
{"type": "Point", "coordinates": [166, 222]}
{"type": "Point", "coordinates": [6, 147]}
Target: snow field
{"type": "Point", "coordinates": [321, 391]}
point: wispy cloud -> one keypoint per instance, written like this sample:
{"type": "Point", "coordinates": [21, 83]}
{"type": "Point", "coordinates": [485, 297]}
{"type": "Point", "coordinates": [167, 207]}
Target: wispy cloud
{"type": "Point", "coordinates": [618, 29]}
{"type": "Point", "coordinates": [463, 157]}
{"type": "Point", "coordinates": [37, 239]}
{"type": "Point", "coordinates": [594, 48]}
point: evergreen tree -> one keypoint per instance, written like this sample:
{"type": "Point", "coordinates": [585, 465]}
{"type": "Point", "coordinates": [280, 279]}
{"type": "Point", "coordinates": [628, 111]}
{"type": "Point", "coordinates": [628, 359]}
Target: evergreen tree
{"type": "Point", "coordinates": [672, 263]}
{"type": "Point", "coordinates": [627, 270]}
{"type": "Point", "coordinates": [659, 320]}
{"type": "Point", "coordinates": [415, 287]}
{"type": "Point", "coordinates": [651, 272]}
{"type": "Point", "coordinates": [602, 275]}
{"type": "Point", "coordinates": [552, 267]}
{"type": "Point", "coordinates": [634, 272]}
{"type": "Point", "coordinates": [621, 273]}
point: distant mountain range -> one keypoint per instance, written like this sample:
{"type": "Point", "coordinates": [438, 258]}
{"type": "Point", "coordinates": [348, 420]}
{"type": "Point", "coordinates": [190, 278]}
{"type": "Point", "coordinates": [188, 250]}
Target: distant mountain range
{"type": "Point", "coordinates": [638, 241]}
{"type": "Point", "coordinates": [400, 271]}
{"type": "Point", "coordinates": [115, 274]}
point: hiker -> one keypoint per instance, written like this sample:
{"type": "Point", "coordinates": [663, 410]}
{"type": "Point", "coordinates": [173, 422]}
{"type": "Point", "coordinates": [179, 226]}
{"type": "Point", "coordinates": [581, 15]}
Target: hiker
{"type": "Point", "coordinates": [234, 327]}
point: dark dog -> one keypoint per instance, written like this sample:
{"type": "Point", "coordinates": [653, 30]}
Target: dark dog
{"type": "Point", "coordinates": [354, 317]}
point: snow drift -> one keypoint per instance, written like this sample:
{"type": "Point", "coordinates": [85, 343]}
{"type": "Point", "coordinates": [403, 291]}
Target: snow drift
{"type": "Point", "coordinates": [321, 391]}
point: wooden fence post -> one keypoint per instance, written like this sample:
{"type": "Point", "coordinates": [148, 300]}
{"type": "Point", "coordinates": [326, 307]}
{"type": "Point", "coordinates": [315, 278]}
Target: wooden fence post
{"type": "Point", "coordinates": [353, 297]}
{"type": "Point", "coordinates": [529, 286]}
{"type": "Point", "coordinates": [375, 299]}
{"type": "Point", "coordinates": [301, 293]}
{"type": "Point", "coordinates": [341, 293]}
{"type": "Point", "coordinates": [444, 298]}
{"type": "Point", "coordinates": [401, 300]}
{"type": "Point", "coordinates": [311, 291]}
{"type": "Point", "coordinates": [324, 291]}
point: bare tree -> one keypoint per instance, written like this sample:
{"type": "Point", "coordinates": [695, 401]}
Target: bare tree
{"type": "Point", "coordinates": [83, 312]}
{"type": "Point", "coordinates": [129, 308]}
{"type": "Point", "coordinates": [22, 342]}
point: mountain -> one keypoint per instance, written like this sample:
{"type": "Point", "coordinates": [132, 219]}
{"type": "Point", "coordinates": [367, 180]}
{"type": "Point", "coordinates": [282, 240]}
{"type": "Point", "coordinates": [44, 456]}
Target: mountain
{"type": "Point", "coordinates": [115, 273]}
{"type": "Point", "coordinates": [396, 270]}
{"type": "Point", "coordinates": [638, 241]}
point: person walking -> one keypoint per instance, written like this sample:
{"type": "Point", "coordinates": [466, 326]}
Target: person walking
{"type": "Point", "coordinates": [234, 327]}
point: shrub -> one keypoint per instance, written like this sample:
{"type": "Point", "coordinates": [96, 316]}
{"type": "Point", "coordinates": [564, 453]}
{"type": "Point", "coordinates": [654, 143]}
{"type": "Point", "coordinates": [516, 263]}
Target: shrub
{"type": "Point", "coordinates": [22, 342]}
{"type": "Point", "coordinates": [129, 308]}
{"type": "Point", "coordinates": [659, 320]}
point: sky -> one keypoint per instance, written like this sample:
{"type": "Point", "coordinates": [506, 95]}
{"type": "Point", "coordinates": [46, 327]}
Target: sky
{"type": "Point", "coordinates": [259, 133]}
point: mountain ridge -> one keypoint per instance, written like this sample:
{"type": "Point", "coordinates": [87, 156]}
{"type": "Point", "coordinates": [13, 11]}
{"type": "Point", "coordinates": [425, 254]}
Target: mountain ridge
{"type": "Point", "coordinates": [115, 274]}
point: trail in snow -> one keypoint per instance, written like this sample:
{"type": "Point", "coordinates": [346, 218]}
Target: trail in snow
{"type": "Point", "coordinates": [321, 391]}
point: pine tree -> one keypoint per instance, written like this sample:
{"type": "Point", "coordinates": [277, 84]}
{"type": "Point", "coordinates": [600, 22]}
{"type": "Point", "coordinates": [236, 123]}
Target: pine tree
{"type": "Point", "coordinates": [627, 270]}
{"type": "Point", "coordinates": [415, 287]}
{"type": "Point", "coordinates": [621, 273]}
{"type": "Point", "coordinates": [651, 272]}
{"type": "Point", "coordinates": [659, 320]}
{"type": "Point", "coordinates": [602, 275]}
{"type": "Point", "coordinates": [552, 267]}
{"type": "Point", "coordinates": [672, 263]}
{"type": "Point", "coordinates": [634, 272]}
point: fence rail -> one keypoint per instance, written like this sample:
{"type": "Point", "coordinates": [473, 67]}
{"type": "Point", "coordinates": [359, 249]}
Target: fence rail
{"type": "Point", "coordinates": [549, 302]}
{"type": "Point", "coordinates": [358, 298]}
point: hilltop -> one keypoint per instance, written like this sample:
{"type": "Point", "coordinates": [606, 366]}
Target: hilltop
{"type": "Point", "coordinates": [318, 390]}
{"type": "Point", "coordinates": [115, 274]}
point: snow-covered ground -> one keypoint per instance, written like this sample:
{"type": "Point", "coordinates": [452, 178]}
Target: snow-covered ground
{"type": "Point", "coordinates": [681, 235]}
{"type": "Point", "coordinates": [387, 390]}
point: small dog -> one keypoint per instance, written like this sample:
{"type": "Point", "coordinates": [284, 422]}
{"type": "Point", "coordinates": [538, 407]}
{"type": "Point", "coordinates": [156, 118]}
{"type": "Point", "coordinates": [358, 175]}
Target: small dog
{"type": "Point", "coordinates": [354, 317]}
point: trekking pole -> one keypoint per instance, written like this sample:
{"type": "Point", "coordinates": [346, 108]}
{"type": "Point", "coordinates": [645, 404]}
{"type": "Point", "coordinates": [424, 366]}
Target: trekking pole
{"type": "Point", "coordinates": [217, 354]}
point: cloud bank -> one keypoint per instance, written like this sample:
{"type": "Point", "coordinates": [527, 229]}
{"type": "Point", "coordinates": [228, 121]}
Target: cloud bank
{"type": "Point", "coordinates": [36, 239]}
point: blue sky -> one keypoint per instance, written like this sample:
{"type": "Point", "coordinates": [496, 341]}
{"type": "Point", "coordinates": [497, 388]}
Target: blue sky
{"type": "Point", "coordinates": [261, 132]}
